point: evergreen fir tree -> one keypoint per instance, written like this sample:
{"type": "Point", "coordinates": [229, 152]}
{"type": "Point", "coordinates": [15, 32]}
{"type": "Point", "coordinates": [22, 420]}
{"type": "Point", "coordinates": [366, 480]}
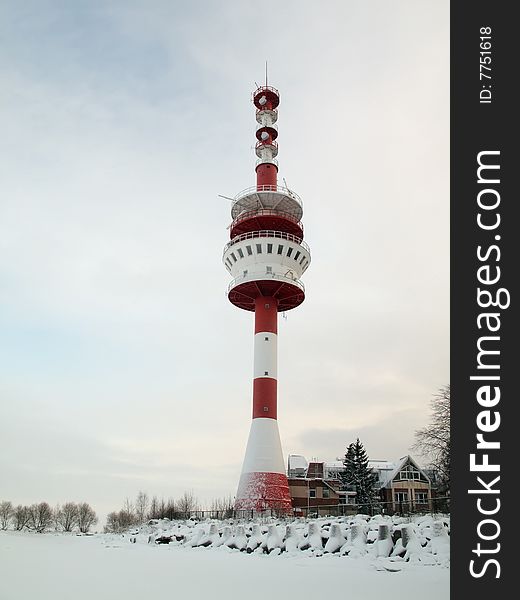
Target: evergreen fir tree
{"type": "Point", "coordinates": [359, 477]}
{"type": "Point", "coordinates": [349, 474]}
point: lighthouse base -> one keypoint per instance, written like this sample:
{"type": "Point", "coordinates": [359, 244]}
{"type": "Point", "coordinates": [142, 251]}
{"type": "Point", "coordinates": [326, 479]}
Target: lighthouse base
{"type": "Point", "coordinates": [263, 484]}
{"type": "Point", "coordinates": [264, 491]}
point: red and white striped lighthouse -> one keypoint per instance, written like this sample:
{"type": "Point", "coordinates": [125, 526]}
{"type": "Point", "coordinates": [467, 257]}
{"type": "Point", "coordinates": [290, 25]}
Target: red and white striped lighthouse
{"type": "Point", "coordinates": [266, 257]}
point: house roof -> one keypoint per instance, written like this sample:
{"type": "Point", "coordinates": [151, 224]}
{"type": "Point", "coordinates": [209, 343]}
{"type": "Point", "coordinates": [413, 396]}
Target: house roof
{"type": "Point", "coordinates": [387, 470]}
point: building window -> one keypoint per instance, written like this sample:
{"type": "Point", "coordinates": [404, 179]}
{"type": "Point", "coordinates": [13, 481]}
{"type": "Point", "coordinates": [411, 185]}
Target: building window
{"type": "Point", "coordinates": [280, 248]}
{"type": "Point", "coordinates": [302, 259]}
{"type": "Point", "coordinates": [326, 492]}
{"type": "Point", "coordinates": [259, 248]}
{"type": "Point", "coordinates": [269, 269]}
{"type": "Point", "coordinates": [401, 496]}
{"type": "Point", "coordinates": [297, 255]}
{"type": "Point", "coordinates": [269, 248]}
{"type": "Point", "coordinates": [240, 253]}
{"type": "Point", "coordinates": [421, 497]}
{"type": "Point", "coordinates": [289, 251]}
{"type": "Point", "coordinates": [266, 339]}
{"type": "Point", "coordinates": [312, 493]}
{"type": "Point", "coordinates": [233, 257]}
{"type": "Point", "coordinates": [410, 473]}
{"type": "Point", "coordinates": [245, 272]}
{"type": "Point", "coordinates": [249, 250]}
{"type": "Point", "coordinates": [266, 372]}
{"type": "Point", "coordinates": [228, 262]}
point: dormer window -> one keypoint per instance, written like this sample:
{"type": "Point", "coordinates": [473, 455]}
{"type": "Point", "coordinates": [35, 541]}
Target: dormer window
{"type": "Point", "coordinates": [410, 473]}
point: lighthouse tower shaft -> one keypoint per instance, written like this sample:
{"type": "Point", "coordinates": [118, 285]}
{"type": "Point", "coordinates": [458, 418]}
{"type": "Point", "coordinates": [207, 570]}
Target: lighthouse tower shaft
{"type": "Point", "coordinates": [263, 483]}
{"type": "Point", "coordinates": [266, 256]}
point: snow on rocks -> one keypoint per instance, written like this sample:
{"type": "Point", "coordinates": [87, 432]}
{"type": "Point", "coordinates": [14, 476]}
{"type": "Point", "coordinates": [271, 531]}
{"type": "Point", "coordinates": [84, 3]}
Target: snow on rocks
{"type": "Point", "coordinates": [384, 543]}
{"type": "Point", "coordinates": [239, 540]}
{"type": "Point", "coordinates": [390, 541]}
{"type": "Point", "coordinates": [356, 544]}
{"type": "Point", "coordinates": [440, 543]}
{"type": "Point", "coordinates": [255, 539]}
{"type": "Point", "coordinates": [336, 539]}
{"type": "Point", "coordinates": [227, 536]}
{"type": "Point", "coordinates": [197, 536]}
{"type": "Point", "coordinates": [210, 538]}
{"type": "Point", "coordinates": [292, 539]}
{"type": "Point", "coordinates": [274, 539]}
{"type": "Point", "coordinates": [313, 541]}
{"type": "Point", "coordinates": [412, 543]}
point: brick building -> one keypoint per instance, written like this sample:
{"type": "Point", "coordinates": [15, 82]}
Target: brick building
{"type": "Point", "coordinates": [316, 486]}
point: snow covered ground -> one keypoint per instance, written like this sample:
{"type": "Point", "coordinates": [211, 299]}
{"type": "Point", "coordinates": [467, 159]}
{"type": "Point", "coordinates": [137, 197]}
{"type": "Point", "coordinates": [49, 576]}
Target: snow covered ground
{"type": "Point", "coordinates": [107, 566]}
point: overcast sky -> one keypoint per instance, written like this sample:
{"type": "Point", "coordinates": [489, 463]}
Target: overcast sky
{"type": "Point", "coordinates": [123, 366]}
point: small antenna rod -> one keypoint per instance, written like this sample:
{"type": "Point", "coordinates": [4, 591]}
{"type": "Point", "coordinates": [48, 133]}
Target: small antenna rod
{"type": "Point", "coordinates": [265, 73]}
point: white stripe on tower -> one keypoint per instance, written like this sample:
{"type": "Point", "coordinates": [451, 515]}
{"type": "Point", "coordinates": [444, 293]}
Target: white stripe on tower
{"type": "Point", "coordinates": [265, 354]}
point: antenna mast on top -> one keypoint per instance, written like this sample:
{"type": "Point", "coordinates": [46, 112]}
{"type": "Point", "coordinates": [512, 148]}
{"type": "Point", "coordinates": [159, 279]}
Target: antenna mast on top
{"type": "Point", "coordinates": [265, 73]}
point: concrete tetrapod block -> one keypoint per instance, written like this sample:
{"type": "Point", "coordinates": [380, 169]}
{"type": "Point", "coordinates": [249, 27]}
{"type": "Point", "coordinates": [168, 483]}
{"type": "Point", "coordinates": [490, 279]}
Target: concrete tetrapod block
{"type": "Point", "coordinates": [384, 543]}
{"type": "Point", "coordinates": [274, 539]}
{"type": "Point", "coordinates": [336, 539]}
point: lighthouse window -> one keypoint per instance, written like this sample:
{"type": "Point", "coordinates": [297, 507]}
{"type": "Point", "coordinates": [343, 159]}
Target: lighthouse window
{"type": "Point", "coordinates": [269, 248]}
{"type": "Point", "coordinates": [266, 339]}
{"type": "Point", "coordinates": [240, 253]}
{"type": "Point", "coordinates": [297, 255]}
{"type": "Point", "coordinates": [280, 248]}
{"type": "Point", "coordinates": [303, 258]}
{"type": "Point", "coordinates": [269, 269]}
{"type": "Point", "coordinates": [259, 248]}
{"type": "Point", "coordinates": [289, 251]}
{"type": "Point", "coordinates": [228, 262]}
{"type": "Point", "coordinates": [245, 273]}
{"type": "Point", "coordinates": [249, 250]}
{"type": "Point", "coordinates": [233, 257]}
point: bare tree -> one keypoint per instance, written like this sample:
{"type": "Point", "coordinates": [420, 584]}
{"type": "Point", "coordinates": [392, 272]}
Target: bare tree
{"type": "Point", "coordinates": [141, 507]}
{"type": "Point", "coordinates": [433, 441]}
{"type": "Point", "coordinates": [56, 517]}
{"type": "Point", "coordinates": [153, 512]}
{"type": "Point", "coordinates": [40, 517]}
{"type": "Point", "coordinates": [86, 517]}
{"type": "Point", "coordinates": [119, 521]}
{"type": "Point", "coordinates": [187, 503]}
{"type": "Point", "coordinates": [169, 509]}
{"type": "Point", "coordinates": [68, 516]}
{"type": "Point", "coordinates": [21, 517]}
{"type": "Point", "coordinates": [222, 508]}
{"type": "Point", "coordinates": [6, 512]}
{"type": "Point", "coordinates": [112, 524]}
{"type": "Point", "coordinates": [128, 507]}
